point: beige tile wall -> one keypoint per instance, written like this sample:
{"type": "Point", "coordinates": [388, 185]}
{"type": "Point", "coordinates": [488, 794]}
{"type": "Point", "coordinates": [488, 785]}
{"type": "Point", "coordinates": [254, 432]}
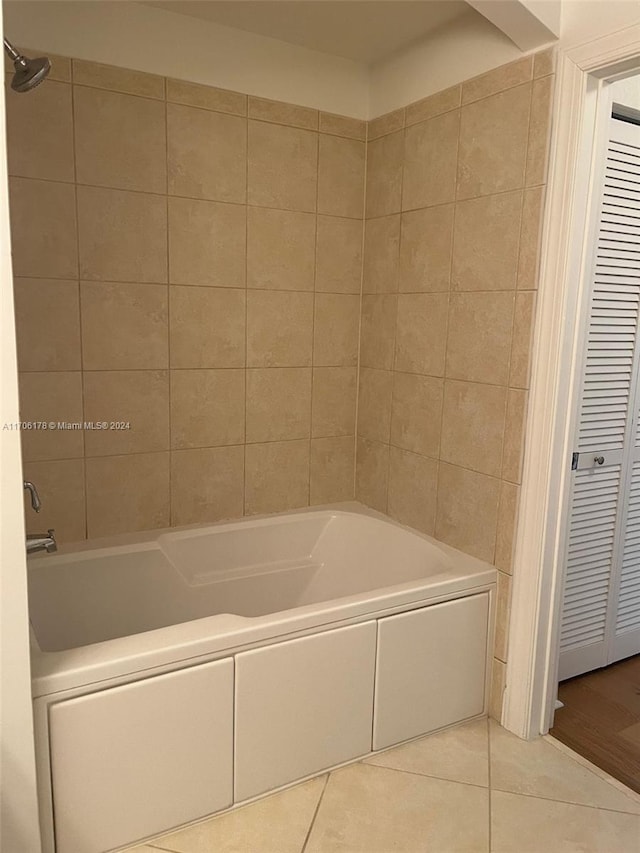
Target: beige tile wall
{"type": "Point", "coordinates": [191, 260]}
{"type": "Point", "coordinates": [455, 189]}
{"type": "Point", "coordinates": [188, 260]}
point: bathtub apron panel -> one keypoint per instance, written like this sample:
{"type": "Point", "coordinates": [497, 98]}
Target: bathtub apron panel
{"type": "Point", "coordinates": [303, 706]}
{"type": "Point", "coordinates": [431, 669]}
{"type": "Point", "coordinates": [135, 760]}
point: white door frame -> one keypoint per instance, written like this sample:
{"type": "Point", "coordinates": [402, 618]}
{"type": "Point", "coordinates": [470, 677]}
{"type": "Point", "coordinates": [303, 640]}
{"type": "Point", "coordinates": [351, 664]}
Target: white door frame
{"type": "Point", "coordinates": [531, 680]}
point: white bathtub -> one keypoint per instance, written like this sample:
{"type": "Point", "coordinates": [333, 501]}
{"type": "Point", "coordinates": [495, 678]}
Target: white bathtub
{"type": "Point", "coordinates": [178, 673]}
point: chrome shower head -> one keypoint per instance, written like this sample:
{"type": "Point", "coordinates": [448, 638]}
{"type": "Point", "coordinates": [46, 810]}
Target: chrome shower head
{"type": "Point", "coordinates": [29, 73]}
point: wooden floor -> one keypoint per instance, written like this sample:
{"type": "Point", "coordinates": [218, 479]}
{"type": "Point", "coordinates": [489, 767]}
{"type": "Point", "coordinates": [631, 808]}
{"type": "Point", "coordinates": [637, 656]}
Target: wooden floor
{"type": "Point", "coordinates": [601, 719]}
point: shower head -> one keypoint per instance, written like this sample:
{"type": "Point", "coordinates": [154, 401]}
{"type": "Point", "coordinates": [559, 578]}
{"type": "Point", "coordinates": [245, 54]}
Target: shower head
{"type": "Point", "coordinates": [28, 72]}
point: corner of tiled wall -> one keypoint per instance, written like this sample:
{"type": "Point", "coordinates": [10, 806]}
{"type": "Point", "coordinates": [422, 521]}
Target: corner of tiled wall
{"type": "Point", "coordinates": [187, 260]}
{"type": "Point", "coordinates": [455, 194]}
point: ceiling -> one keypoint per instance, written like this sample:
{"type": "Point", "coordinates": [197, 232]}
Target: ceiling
{"type": "Point", "coordinates": [362, 30]}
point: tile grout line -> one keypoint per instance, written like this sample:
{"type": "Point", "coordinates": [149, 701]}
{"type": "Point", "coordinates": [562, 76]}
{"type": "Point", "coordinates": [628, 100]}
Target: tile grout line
{"type": "Point", "coordinates": [313, 314]}
{"type": "Point", "coordinates": [177, 196]}
{"type": "Point", "coordinates": [189, 105]}
{"type": "Point", "coordinates": [356, 411]}
{"type": "Point", "coordinates": [395, 294]}
{"type": "Point", "coordinates": [544, 799]}
{"type": "Point", "coordinates": [462, 103]}
{"type": "Point", "coordinates": [100, 281]}
{"type": "Point", "coordinates": [84, 457]}
{"type": "Point", "coordinates": [523, 191]}
{"type": "Point", "coordinates": [489, 778]}
{"type": "Point", "coordinates": [319, 112]}
{"type": "Point", "coordinates": [168, 291]}
{"type": "Point", "coordinates": [596, 771]}
{"type": "Point", "coordinates": [246, 315]}
{"type": "Point", "coordinates": [580, 761]}
{"type": "Point", "coordinates": [315, 814]}
{"type": "Point", "coordinates": [368, 763]}
{"type": "Point", "coordinates": [448, 322]}
{"type": "Point", "coordinates": [268, 441]}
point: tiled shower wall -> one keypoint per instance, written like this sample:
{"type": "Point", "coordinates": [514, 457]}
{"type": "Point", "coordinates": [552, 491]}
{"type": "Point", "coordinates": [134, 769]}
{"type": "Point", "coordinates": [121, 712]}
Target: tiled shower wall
{"type": "Point", "coordinates": [190, 261]}
{"type": "Point", "coordinates": [187, 260]}
{"type": "Point", "coordinates": [455, 190]}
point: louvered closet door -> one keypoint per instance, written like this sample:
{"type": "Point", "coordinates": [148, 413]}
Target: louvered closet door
{"type": "Point", "coordinates": [604, 526]}
{"type": "Point", "coordinates": [623, 173]}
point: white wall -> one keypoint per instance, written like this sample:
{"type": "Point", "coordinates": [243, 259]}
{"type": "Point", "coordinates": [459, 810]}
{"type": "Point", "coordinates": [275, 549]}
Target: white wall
{"type": "Point", "coordinates": [148, 39]}
{"type": "Point", "coordinates": [468, 46]}
{"type": "Point", "coordinates": [471, 46]}
{"type": "Point", "coordinates": [19, 831]}
{"type": "Point", "coordinates": [173, 45]}
{"type": "Point", "coordinates": [585, 20]}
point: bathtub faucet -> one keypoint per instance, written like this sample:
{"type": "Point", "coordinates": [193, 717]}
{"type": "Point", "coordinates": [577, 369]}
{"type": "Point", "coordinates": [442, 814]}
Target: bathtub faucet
{"type": "Point", "coordinates": [35, 497]}
{"type": "Point", "coordinates": [41, 542]}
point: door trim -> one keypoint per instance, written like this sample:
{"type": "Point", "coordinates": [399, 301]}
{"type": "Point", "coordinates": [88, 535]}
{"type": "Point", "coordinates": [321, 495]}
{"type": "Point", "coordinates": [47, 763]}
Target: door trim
{"type": "Point", "coordinates": [531, 679]}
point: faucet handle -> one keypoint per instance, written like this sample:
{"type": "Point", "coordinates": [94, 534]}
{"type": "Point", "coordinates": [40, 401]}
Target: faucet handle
{"type": "Point", "coordinates": [35, 497]}
{"type": "Point", "coordinates": [52, 545]}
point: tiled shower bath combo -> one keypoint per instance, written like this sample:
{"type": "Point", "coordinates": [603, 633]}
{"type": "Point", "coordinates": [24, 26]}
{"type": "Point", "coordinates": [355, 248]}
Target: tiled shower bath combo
{"type": "Point", "coordinates": [190, 260]}
{"type": "Point", "coordinates": [276, 308]}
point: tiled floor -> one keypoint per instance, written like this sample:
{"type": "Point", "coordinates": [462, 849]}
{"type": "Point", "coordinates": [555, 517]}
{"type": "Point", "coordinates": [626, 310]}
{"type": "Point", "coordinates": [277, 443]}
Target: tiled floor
{"type": "Point", "coordinates": [601, 718]}
{"type": "Point", "coordinates": [472, 789]}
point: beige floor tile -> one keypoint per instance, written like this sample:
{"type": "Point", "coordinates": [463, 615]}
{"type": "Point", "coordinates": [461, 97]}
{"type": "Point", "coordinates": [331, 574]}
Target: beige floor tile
{"type": "Point", "coordinates": [598, 771]}
{"type": "Point", "coordinates": [277, 824]}
{"type": "Point", "coordinates": [376, 810]}
{"type": "Point", "coordinates": [538, 769]}
{"type": "Point", "coordinates": [529, 825]}
{"type": "Point", "coordinates": [460, 754]}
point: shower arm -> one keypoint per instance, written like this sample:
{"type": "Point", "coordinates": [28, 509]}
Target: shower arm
{"type": "Point", "coordinates": [13, 54]}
